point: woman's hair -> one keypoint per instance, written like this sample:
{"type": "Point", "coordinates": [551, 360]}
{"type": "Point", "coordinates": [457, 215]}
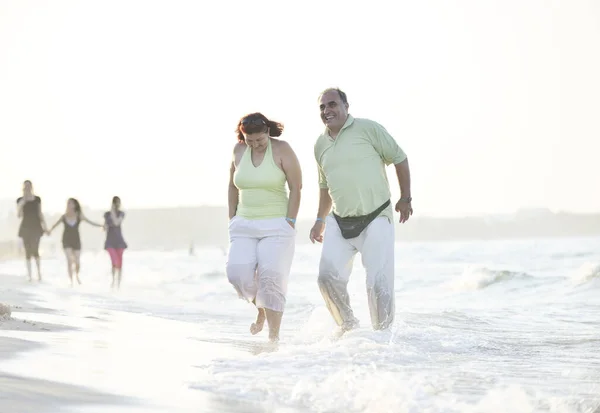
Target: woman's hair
{"type": "Point", "coordinates": [76, 204]}
{"type": "Point", "coordinates": [257, 123]}
{"type": "Point", "coordinates": [115, 200]}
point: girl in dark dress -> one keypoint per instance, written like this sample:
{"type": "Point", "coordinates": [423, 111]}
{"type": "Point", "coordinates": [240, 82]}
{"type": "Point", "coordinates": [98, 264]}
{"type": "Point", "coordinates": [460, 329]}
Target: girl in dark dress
{"type": "Point", "coordinates": [70, 240]}
{"type": "Point", "coordinates": [115, 244]}
{"type": "Point", "coordinates": [33, 226]}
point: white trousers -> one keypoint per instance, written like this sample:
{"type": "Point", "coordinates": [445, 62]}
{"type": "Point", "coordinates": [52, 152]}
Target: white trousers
{"type": "Point", "coordinates": [259, 261]}
{"type": "Point", "coordinates": [376, 246]}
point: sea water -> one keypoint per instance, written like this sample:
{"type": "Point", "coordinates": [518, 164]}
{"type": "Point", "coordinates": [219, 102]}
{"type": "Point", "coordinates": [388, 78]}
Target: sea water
{"type": "Point", "coordinates": [497, 326]}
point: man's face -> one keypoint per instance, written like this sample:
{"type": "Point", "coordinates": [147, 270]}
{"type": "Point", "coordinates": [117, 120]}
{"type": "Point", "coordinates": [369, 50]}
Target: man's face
{"type": "Point", "coordinates": [333, 111]}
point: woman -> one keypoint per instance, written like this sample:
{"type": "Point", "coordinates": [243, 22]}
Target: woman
{"type": "Point", "coordinates": [262, 218]}
{"type": "Point", "coordinates": [71, 241]}
{"type": "Point", "coordinates": [115, 244]}
{"type": "Point", "coordinates": [33, 226]}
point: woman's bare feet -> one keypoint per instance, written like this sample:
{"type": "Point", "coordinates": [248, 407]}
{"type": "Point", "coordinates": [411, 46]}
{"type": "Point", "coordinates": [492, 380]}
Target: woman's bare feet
{"type": "Point", "coordinates": [258, 325]}
{"type": "Point", "coordinates": [274, 320]}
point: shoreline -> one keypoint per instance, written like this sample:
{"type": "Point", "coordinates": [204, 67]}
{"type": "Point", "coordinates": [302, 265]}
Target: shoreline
{"type": "Point", "coordinates": [89, 359]}
{"type": "Point", "coordinates": [22, 336]}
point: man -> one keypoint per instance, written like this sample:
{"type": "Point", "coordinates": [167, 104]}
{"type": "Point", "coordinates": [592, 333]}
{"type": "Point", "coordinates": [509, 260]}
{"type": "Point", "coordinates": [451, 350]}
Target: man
{"type": "Point", "coordinates": [351, 155]}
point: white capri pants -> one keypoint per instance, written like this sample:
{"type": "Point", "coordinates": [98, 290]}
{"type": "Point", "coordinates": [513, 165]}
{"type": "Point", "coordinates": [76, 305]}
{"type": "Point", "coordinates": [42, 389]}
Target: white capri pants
{"type": "Point", "coordinates": [259, 261]}
{"type": "Point", "coordinates": [376, 246]}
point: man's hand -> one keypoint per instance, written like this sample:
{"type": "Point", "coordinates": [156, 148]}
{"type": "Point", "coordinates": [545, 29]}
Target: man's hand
{"type": "Point", "coordinates": [316, 232]}
{"type": "Point", "coordinates": [405, 210]}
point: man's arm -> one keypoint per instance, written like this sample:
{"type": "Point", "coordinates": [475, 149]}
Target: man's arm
{"type": "Point", "coordinates": [385, 145]}
{"type": "Point", "coordinates": [404, 206]}
{"type": "Point", "coordinates": [403, 174]}
{"type": "Point", "coordinates": [391, 153]}
{"type": "Point", "coordinates": [316, 233]}
{"type": "Point", "coordinates": [324, 204]}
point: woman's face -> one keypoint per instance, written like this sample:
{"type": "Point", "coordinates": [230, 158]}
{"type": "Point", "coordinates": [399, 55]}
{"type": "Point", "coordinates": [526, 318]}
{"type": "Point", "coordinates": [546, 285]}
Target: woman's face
{"type": "Point", "coordinates": [70, 206]}
{"type": "Point", "coordinates": [27, 188]}
{"type": "Point", "coordinates": [257, 141]}
{"type": "Point", "coordinates": [117, 204]}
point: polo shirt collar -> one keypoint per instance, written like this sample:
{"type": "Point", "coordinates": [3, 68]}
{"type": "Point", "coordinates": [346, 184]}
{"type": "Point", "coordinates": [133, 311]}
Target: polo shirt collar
{"type": "Point", "coordinates": [349, 121]}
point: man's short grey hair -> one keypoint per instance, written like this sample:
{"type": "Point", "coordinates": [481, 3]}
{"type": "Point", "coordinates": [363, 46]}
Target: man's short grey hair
{"type": "Point", "coordinates": [343, 96]}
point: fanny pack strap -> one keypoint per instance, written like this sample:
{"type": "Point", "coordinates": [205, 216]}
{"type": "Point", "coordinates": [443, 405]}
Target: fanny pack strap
{"type": "Point", "coordinates": [352, 227]}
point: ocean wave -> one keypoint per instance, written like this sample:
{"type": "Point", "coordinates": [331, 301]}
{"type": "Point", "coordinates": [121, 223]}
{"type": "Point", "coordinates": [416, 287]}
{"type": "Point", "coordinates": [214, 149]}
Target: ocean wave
{"type": "Point", "coordinates": [588, 272]}
{"type": "Point", "coordinates": [367, 372]}
{"type": "Point", "coordinates": [479, 277]}
{"type": "Point", "coordinates": [576, 254]}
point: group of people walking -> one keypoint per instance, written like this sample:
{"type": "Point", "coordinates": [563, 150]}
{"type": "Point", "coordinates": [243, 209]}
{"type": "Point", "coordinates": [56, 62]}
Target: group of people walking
{"type": "Point", "coordinates": [355, 214]}
{"type": "Point", "coordinates": [354, 206]}
{"type": "Point", "coordinates": [33, 227]}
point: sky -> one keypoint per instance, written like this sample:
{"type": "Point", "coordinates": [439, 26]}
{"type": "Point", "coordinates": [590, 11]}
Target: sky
{"type": "Point", "coordinates": [496, 103]}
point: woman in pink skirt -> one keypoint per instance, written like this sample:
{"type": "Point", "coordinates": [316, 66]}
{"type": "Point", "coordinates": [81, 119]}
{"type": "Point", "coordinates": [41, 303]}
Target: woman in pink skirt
{"type": "Point", "coordinates": [115, 244]}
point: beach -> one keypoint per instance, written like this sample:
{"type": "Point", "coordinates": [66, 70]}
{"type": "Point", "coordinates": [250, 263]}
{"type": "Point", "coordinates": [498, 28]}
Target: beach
{"type": "Point", "coordinates": [490, 327]}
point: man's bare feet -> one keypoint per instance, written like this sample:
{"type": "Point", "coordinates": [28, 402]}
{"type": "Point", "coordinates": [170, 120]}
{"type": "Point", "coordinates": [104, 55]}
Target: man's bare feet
{"type": "Point", "coordinates": [258, 325]}
{"type": "Point", "coordinates": [350, 325]}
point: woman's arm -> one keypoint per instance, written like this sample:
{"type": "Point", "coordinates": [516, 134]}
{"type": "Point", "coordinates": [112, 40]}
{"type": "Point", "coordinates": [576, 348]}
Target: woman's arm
{"type": "Point", "coordinates": [41, 215]}
{"type": "Point", "coordinates": [55, 225]}
{"type": "Point", "coordinates": [116, 219]}
{"type": "Point", "coordinates": [293, 172]}
{"type": "Point", "coordinates": [233, 194]}
{"type": "Point", "coordinates": [84, 218]}
{"type": "Point", "coordinates": [20, 204]}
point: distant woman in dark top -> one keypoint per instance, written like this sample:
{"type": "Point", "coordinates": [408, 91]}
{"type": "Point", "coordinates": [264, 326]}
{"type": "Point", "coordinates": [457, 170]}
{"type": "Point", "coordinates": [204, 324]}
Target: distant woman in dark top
{"type": "Point", "coordinates": [70, 240]}
{"type": "Point", "coordinates": [115, 244]}
{"type": "Point", "coordinates": [33, 226]}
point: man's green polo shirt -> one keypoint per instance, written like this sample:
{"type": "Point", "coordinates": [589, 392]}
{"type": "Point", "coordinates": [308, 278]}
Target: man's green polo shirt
{"type": "Point", "coordinates": [352, 167]}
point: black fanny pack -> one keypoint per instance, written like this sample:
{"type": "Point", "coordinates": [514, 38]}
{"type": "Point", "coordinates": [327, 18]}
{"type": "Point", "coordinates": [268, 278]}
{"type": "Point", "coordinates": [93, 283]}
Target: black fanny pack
{"type": "Point", "coordinates": [351, 227]}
